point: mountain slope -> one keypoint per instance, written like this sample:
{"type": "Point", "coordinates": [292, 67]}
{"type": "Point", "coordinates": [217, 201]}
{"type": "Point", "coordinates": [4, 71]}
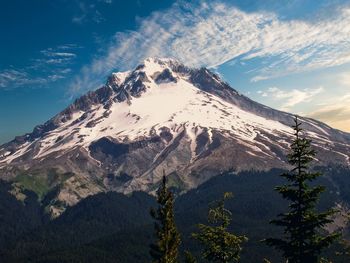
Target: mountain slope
{"type": "Point", "coordinates": [160, 117]}
{"type": "Point", "coordinates": [112, 227]}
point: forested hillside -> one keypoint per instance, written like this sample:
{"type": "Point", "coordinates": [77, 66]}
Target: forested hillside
{"type": "Point", "coordinates": [112, 227]}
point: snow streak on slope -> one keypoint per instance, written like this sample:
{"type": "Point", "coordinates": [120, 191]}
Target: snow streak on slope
{"type": "Point", "coordinates": [160, 117]}
{"type": "Point", "coordinates": [173, 104]}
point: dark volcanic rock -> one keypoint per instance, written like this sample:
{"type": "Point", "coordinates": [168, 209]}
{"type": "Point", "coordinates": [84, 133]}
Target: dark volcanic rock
{"type": "Point", "coordinates": [165, 77]}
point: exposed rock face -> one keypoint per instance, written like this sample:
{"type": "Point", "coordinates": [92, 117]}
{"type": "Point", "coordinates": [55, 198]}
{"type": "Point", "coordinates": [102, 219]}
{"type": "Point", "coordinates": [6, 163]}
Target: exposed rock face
{"type": "Point", "coordinates": [163, 116]}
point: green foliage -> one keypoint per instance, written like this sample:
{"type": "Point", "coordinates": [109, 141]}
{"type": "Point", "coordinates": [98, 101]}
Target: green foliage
{"type": "Point", "coordinates": [111, 227]}
{"type": "Point", "coordinates": [189, 258]}
{"type": "Point", "coordinates": [219, 244]}
{"type": "Point", "coordinates": [41, 182]}
{"type": "Point", "coordinates": [346, 245]}
{"type": "Point", "coordinates": [302, 242]}
{"type": "Point", "coordinates": [17, 216]}
{"type": "Point", "coordinates": [325, 260]}
{"type": "Point", "coordinates": [165, 249]}
{"type": "Point", "coordinates": [344, 249]}
{"type": "Point", "coordinates": [100, 227]}
{"type": "Point", "coordinates": [37, 184]}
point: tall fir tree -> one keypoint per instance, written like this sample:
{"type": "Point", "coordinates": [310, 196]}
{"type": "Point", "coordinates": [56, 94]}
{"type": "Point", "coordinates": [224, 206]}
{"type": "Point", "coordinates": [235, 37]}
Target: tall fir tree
{"type": "Point", "coordinates": [302, 241]}
{"type": "Point", "coordinates": [165, 248]}
{"type": "Point", "coordinates": [220, 245]}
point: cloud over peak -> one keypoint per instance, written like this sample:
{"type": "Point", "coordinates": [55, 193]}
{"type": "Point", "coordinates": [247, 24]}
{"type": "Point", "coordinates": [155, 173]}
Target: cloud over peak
{"type": "Point", "coordinates": [213, 33]}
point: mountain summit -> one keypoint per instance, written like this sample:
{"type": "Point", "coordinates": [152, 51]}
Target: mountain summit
{"type": "Point", "coordinates": [160, 117]}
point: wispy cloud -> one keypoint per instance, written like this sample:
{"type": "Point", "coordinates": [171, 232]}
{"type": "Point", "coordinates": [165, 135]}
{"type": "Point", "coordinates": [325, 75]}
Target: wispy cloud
{"type": "Point", "coordinates": [88, 11]}
{"type": "Point", "coordinates": [50, 53]}
{"type": "Point", "coordinates": [290, 98]}
{"type": "Point", "coordinates": [68, 46]}
{"type": "Point", "coordinates": [344, 79]}
{"type": "Point", "coordinates": [210, 34]}
{"type": "Point", "coordinates": [336, 112]}
{"type": "Point", "coordinates": [58, 55]}
{"type": "Point", "coordinates": [10, 78]}
{"type": "Point", "coordinates": [51, 65]}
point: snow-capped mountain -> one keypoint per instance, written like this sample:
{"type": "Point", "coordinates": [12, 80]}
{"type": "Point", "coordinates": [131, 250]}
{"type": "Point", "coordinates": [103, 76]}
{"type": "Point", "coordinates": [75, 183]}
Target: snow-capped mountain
{"type": "Point", "coordinates": [160, 117]}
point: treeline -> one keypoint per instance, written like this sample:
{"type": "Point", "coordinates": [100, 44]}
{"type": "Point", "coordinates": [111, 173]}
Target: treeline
{"type": "Point", "coordinates": [303, 239]}
{"type": "Point", "coordinates": [111, 227]}
{"type": "Point", "coordinates": [219, 245]}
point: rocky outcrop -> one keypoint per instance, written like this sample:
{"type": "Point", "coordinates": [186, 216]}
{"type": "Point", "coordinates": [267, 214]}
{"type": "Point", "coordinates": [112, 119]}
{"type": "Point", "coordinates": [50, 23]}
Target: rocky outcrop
{"type": "Point", "coordinates": [162, 117]}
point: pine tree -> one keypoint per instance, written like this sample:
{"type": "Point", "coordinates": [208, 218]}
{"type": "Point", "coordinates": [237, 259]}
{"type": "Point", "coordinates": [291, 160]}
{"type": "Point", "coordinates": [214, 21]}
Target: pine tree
{"type": "Point", "coordinates": [302, 242]}
{"type": "Point", "coordinates": [165, 249]}
{"type": "Point", "coordinates": [189, 258]}
{"type": "Point", "coordinates": [346, 244]}
{"type": "Point", "coordinates": [219, 244]}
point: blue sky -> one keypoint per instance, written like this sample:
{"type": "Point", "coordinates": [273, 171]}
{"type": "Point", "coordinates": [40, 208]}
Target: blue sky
{"type": "Point", "coordinates": [292, 55]}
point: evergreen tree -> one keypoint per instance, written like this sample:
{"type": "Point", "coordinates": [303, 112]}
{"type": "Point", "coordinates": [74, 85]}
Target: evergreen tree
{"type": "Point", "coordinates": [302, 242]}
{"type": "Point", "coordinates": [219, 244]}
{"type": "Point", "coordinates": [189, 258]}
{"type": "Point", "coordinates": [165, 249]}
{"type": "Point", "coordinates": [346, 244]}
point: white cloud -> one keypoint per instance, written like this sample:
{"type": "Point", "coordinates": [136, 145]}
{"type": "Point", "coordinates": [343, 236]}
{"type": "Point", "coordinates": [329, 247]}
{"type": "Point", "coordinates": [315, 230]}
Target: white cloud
{"type": "Point", "coordinates": [290, 98]}
{"type": "Point", "coordinates": [51, 66]}
{"type": "Point", "coordinates": [106, 1]}
{"type": "Point", "coordinates": [210, 34]}
{"type": "Point", "coordinates": [57, 61]}
{"type": "Point", "coordinates": [262, 93]}
{"type": "Point", "coordinates": [12, 78]}
{"type": "Point", "coordinates": [59, 56]}
{"type": "Point", "coordinates": [89, 12]}
{"type": "Point", "coordinates": [336, 112]}
{"type": "Point", "coordinates": [70, 46]}
{"type": "Point", "coordinates": [344, 79]}
{"type": "Point", "coordinates": [50, 53]}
